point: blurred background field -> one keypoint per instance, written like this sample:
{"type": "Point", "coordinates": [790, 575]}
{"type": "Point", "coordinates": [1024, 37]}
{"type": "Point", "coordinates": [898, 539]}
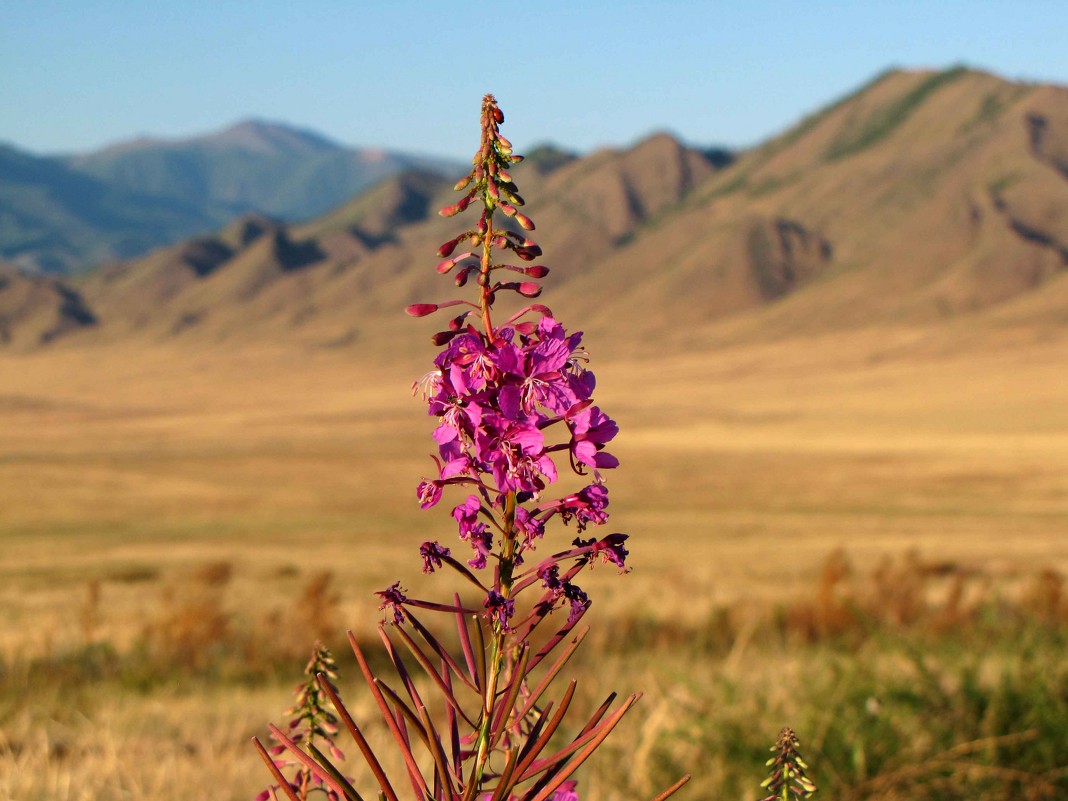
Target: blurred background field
{"type": "Point", "coordinates": [871, 550]}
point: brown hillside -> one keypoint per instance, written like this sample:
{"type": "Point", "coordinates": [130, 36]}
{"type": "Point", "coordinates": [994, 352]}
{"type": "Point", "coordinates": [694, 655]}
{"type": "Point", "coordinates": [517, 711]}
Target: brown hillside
{"type": "Point", "coordinates": [924, 199]}
{"type": "Point", "coordinates": [38, 310]}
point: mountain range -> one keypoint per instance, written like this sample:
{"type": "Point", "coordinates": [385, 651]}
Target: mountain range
{"type": "Point", "coordinates": [922, 199]}
{"type": "Point", "coordinates": [64, 214]}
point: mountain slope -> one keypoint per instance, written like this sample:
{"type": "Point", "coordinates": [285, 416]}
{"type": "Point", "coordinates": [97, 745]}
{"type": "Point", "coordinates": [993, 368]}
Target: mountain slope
{"type": "Point", "coordinates": [933, 201]}
{"type": "Point", "coordinates": [64, 215]}
{"type": "Point", "coordinates": [251, 166]}
{"type": "Point", "coordinates": [38, 310]}
{"type": "Point", "coordinates": [56, 219]}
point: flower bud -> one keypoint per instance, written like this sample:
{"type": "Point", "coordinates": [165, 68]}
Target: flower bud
{"type": "Point", "coordinates": [462, 183]}
{"type": "Point", "coordinates": [508, 209]}
{"type": "Point", "coordinates": [527, 254]}
{"type": "Point", "coordinates": [524, 221]}
{"type": "Point", "coordinates": [504, 176]}
{"type": "Point", "coordinates": [493, 191]}
{"type": "Point", "coordinates": [441, 337]}
{"type": "Point", "coordinates": [504, 143]}
{"type": "Point", "coordinates": [537, 271]}
{"type": "Point", "coordinates": [421, 309]}
{"type": "Point", "coordinates": [515, 159]}
{"type": "Point", "coordinates": [446, 249]}
{"type": "Point", "coordinates": [529, 289]}
{"type": "Point", "coordinates": [448, 264]}
{"type": "Point", "coordinates": [449, 211]}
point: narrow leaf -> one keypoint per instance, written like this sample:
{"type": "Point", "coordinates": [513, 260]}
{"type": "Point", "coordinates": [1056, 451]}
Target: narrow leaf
{"type": "Point", "coordinates": [584, 754]}
{"type": "Point", "coordinates": [361, 741]}
{"type": "Point", "coordinates": [531, 751]}
{"type": "Point", "coordinates": [500, 720]}
{"type": "Point", "coordinates": [465, 644]}
{"type": "Point", "coordinates": [327, 765]}
{"type": "Point", "coordinates": [543, 685]}
{"type": "Point", "coordinates": [504, 784]}
{"type": "Point", "coordinates": [438, 754]}
{"type": "Point", "coordinates": [283, 782]}
{"type": "Point", "coordinates": [304, 759]}
{"type": "Point", "coordinates": [409, 759]}
{"type": "Point", "coordinates": [431, 671]}
{"type": "Point", "coordinates": [672, 789]}
{"type": "Point", "coordinates": [441, 651]}
{"type": "Point", "coordinates": [556, 639]}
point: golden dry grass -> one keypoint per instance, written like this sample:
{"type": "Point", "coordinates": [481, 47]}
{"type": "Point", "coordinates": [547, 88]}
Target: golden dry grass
{"type": "Point", "coordinates": [129, 470]}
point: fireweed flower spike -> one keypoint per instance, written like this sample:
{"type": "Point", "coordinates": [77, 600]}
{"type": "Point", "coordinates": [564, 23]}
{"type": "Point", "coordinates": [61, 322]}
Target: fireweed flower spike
{"type": "Point", "coordinates": [311, 724]}
{"type": "Point", "coordinates": [512, 401]}
{"type": "Point", "coordinates": [787, 777]}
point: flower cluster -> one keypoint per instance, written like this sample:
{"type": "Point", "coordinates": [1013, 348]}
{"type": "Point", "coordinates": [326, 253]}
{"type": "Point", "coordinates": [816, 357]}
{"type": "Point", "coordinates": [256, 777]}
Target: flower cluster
{"type": "Point", "coordinates": [510, 400]}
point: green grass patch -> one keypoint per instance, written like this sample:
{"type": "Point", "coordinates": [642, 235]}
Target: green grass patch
{"type": "Point", "coordinates": [884, 121]}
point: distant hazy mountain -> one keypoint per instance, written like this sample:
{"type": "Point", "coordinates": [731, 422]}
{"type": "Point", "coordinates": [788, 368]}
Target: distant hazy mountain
{"type": "Point", "coordinates": [65, 214]}
{"type": "Point", "coordinates": [56, 219]}
{"type": "Point", "coordinates": [256, 166]}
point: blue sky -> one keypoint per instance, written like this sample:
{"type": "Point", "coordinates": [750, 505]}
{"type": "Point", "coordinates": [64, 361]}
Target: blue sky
{"type": "Point", "coordinates": [409, 75]}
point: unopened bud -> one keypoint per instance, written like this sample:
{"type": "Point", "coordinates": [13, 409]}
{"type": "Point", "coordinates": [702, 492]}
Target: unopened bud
{"type": "Point", "coordinates": [421, 309]}
{"type": "Point", "coordinates": [449, 211]}
{"type": "Point", "coordinates": [493, 191]}
{"type": "Point", "coordinates": [463, 275]}
{"type": "Point", "coordinates": [529, 289]}
{"type": "Point", "coordinates": [508, 209]}
{"type": "Point", "coordinates": [446, 249]}
{"type": "Point", "coordinates": [504, 176]}
{"type": "Point", "coordinates": [515, 159]}
{"type": "Point", "coordinates": [524, 221]}
{"type": "Point", "coordinates": [462, 184]}
{"type": "Point", "coordinates": [441, 337]}
{"type": "Point", "coordinates": [528, 254]}
{"type": "Point", "coordinates": [537, 271]}
{"type": "Point", "coordinates": [504, 143]}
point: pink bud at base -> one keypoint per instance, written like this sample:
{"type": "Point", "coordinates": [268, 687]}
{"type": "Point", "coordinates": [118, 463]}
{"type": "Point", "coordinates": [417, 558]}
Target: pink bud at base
{"type": "Point", "coordinates": [524, 221]}
{"type": "Point", "coordinates": [421, 309]}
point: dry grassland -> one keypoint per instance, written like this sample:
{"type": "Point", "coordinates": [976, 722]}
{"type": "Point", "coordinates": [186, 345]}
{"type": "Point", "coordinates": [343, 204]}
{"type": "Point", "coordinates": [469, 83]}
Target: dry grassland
{"type": "Point", "coordinates": [123, 474]}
